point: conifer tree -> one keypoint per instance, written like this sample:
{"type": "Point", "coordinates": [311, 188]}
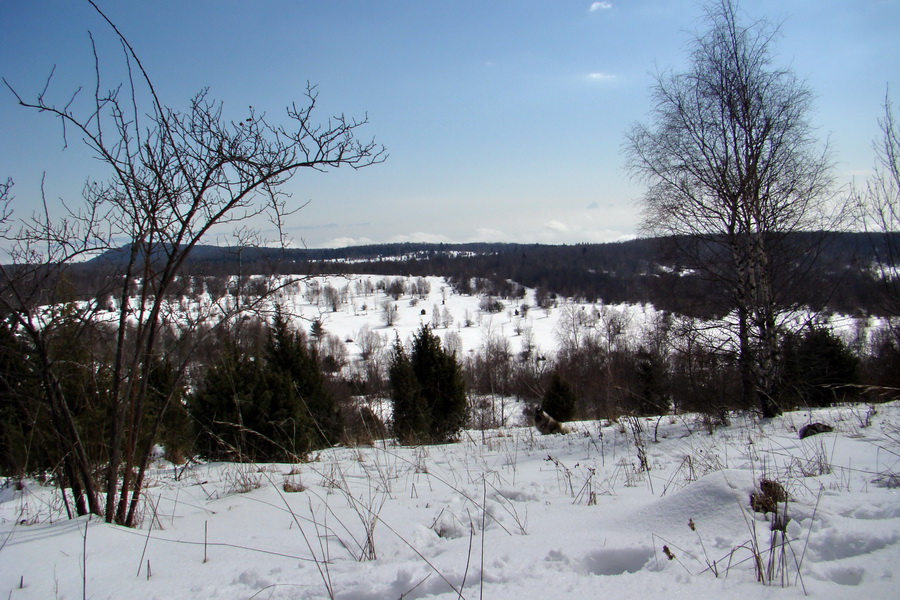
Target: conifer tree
{"type": "Point", "coordinates": [227, 405]}
{"type": "Point", "coordinates": [410, 412]}
{"type": "Point", "coordinates": [650, 394]}
{"type": "Point", "coordinates": [559, 400]}
{"type": "Point", "coordinates": [428, 390]}
{"type": "Point", "coordinates": [272, 406]}
{"type": "Point", "coordinates": [819, 369]}
{"type": "Point", "coordinates": [288, 354]}
{"type": "Point", "coordinates": [441, 384]}
{"type": "Point", "coordinates": [24, 429]}
{"type": "Point", "coordinates": [169, 423]}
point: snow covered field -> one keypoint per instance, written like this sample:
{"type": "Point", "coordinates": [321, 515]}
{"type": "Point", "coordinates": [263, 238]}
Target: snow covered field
{"type": "Point", "coordinates": [502, 514]}
{"type": "Point", "coordinates": [468, 326]}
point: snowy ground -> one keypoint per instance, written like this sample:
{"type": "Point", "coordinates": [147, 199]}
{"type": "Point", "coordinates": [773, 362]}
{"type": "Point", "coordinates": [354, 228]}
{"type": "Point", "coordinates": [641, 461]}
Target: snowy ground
{"type": "Point", "coordinates": [503, 514]}
{"type": "Point", "coordinates": [469, 327]}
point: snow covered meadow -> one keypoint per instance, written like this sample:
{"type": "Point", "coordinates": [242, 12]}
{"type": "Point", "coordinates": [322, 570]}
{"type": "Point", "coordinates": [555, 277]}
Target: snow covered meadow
{"type": "Point", "coordinates": [504, 513]}
{"type": "Point", "coordinates": [638, 507]}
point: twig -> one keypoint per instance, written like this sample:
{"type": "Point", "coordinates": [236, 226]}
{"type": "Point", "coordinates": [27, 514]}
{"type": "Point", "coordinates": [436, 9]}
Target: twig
{"type": "Point", "coordinates": [146, 542]}
{"type": "Point", "coordinates": [84, 560]}
{"type": "Point", "coordinates": [323, 573]}
{"type": "Point", "coordinates": [483, 511]}
{"type": "Point", "coordinates": [410, 590]}
{"type": "Point", "coordinates": [468, 558]}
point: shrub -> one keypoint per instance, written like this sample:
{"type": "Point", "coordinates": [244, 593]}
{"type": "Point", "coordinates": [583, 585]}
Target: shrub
{"type": "Point", "coordinates": [490, 304]}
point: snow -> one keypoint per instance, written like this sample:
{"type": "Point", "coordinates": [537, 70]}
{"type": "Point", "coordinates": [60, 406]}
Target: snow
{"type": "Point", "coordinates": [503, 513]}
{"type": "Point", "coordinates": [363, 307]}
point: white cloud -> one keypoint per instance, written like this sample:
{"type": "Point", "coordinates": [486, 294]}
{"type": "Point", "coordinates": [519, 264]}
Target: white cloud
{"type": "Point", "coordinates": [556, 226]}
{"type": "Point", "coordinates": [600, 6]}
{"type": "Point", "coordinates": [486, 234]}
{"type": "Point", "coordinates": [344, 242]}
{"type": "Point", "coordinates": [600, 76]}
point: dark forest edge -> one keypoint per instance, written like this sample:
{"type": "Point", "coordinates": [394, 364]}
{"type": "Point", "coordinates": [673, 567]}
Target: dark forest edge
{"type": "Point", "coordinates": [646, 270]}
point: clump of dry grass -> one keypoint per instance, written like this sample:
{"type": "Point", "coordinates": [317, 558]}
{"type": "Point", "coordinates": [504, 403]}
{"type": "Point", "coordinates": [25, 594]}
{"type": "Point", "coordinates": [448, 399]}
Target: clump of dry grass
{"type": "Point", "coordinates": [291, 486]}
{"type": "Point", "coordinates": [242, 478]}
{"type": "Point", "coordinates": [766, 500]}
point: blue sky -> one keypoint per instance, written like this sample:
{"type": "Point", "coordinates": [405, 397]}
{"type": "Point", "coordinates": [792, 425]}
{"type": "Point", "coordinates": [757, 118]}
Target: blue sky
{"type": "Point", "coordinates": [504, 120]}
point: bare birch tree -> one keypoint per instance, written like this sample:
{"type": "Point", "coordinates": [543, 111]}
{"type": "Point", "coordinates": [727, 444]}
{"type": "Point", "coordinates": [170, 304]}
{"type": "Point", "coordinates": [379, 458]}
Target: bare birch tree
{"type": "Point", "coordinates": [732, 164]}
{"type": "Point", "coordinates": [174, 177]}
{"type": "Point", "coordinates": [878, 203]}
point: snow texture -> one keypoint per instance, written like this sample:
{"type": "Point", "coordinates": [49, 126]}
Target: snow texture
{"type": "Point", "coordinates": [508, 514]}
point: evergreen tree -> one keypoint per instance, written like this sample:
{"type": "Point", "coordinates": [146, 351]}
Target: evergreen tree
{"type": "Point", "coordinates": [428, 390]}
{"type": "Point", "coordinates": [222, 405]}
{"type": "Point", "coordinates": [819, 369]}
{"type": "Point", "coordinates": [559, 400]}
{"type": "Point", "coordinates": [441, 384]}
{"type": "Point", "coordinates": [288, 354]}
{"type": "Point", "coordinates": [26, 443]}
{"type": "Point", "coordinates": [167, 419]}
{"type": "Point", "coordinates": [650, 389]}
{"type": "Point", "coordinates": [411, 416]}
{"type": "Point", "coordinates": [272, 406]}
{"type": "Point", "coordinates": [75, 348]}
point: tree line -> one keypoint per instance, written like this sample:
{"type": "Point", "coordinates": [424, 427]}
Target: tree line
{"type": "Point", "coordinates": [847, 276]}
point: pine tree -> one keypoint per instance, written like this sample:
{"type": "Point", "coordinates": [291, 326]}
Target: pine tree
{"type": "Point", "coordinates": [167, 416]}
{"type": "Point", "coordinates": [441, 384]}
{"type": "Point", "coordinates": [26, 441]}
{"type": "Point", "coordinates": [221, 405]}
{"type": "Point", "coordinates": [650, 394]}
{"type": "Point", "coordinates": [411, 416]}
{"type": "Point", "coordinates": [819, 369]}
{"type": "Point", "coordinates": [559, 400]}
{"type": "Point", "coordinates": [428, 390]}
{"type": "Point", "coordinates": [271, 404]}
{"type": "Point", "coordinates": [288, 354]}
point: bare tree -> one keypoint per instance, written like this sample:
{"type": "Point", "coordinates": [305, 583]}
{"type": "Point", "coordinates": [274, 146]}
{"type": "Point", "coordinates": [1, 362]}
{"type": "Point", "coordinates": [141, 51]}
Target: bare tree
{"type": "Point", "coordinates": [878, 204]}
{"type": "Point", "coordinates": [334, 298]}
{"type": "Point", "coordinates": [175, 176]}
{"type": "Point", "coordinates": [731, 164]}
{"type": "Point", "coordinates": [390, 314]}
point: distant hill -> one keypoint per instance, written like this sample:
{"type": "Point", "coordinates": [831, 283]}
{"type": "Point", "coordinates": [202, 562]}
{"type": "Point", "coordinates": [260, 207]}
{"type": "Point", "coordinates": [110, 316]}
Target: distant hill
{"type": "Point", "coordinates": [641, 270]}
